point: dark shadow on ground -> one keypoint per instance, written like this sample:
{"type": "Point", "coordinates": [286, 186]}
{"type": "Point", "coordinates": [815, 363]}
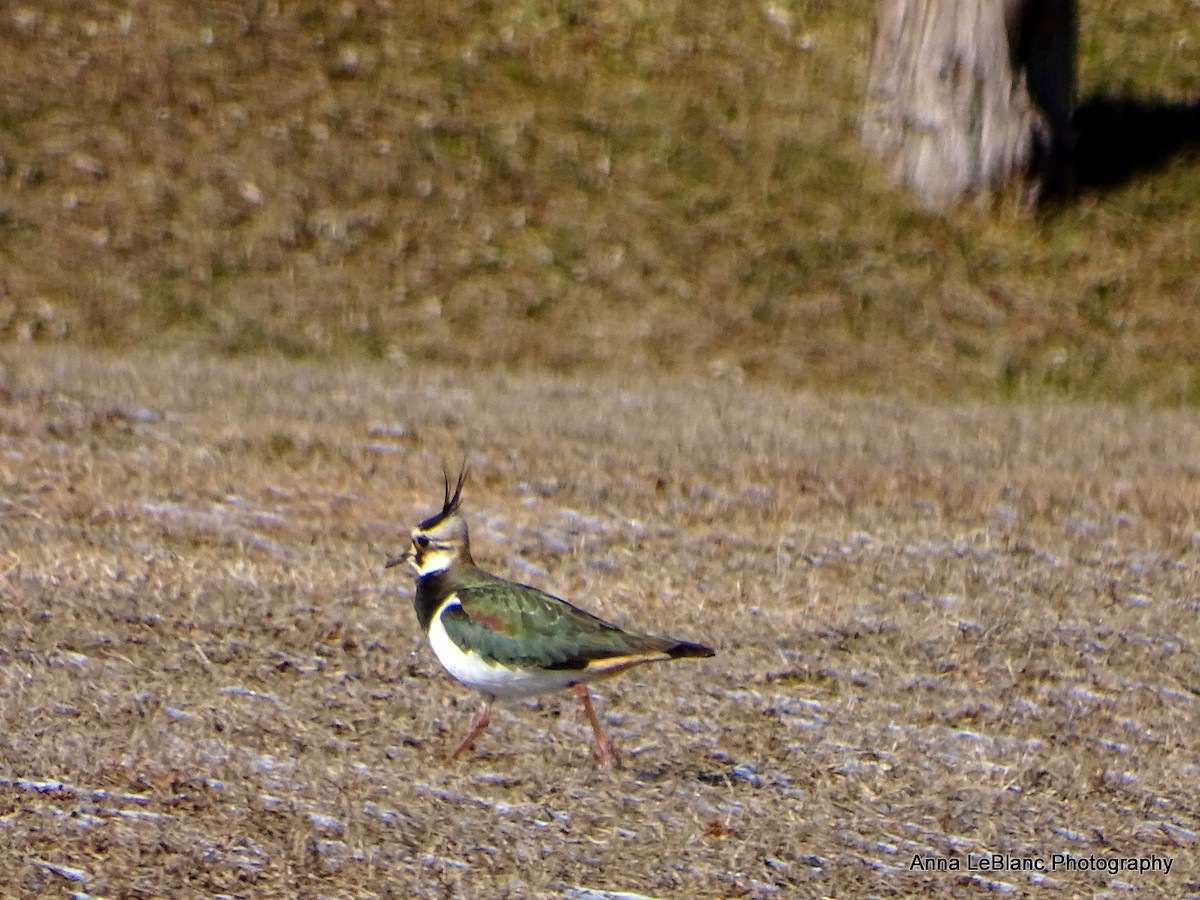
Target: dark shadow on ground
{"type": "Point", "coordinates": [1119, 138]}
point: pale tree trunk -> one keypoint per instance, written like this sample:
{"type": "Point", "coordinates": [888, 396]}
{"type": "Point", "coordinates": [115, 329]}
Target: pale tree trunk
{"type": "Point", "coordinates": [963, 96]}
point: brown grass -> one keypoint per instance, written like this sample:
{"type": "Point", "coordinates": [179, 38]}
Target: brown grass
{"type": "Point", "coordinates": [653, 187]}
{"type": "Point", "coordinates": [630, 260]}
{"type": "Point", "coordinates": [942, 629]}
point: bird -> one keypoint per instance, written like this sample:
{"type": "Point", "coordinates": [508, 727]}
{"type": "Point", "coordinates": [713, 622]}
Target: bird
{"type": "Point", "coordinates": [509, 640]}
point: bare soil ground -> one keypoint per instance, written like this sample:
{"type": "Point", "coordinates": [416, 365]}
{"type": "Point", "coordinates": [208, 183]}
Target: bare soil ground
{"type": "Point", "coordinates": [943, 631]}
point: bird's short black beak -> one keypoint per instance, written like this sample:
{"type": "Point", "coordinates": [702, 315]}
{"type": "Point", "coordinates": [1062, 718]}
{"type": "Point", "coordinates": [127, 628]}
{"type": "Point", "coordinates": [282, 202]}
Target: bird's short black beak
{"type": "Point", "coordinates": [403, 557]}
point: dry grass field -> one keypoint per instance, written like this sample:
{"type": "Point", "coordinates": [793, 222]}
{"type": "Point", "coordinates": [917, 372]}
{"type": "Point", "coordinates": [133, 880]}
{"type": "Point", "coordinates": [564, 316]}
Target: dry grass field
{"type": "Point", "coordinates": [943, 630]}
{"type": "Point", "coordinates": [929, 484]}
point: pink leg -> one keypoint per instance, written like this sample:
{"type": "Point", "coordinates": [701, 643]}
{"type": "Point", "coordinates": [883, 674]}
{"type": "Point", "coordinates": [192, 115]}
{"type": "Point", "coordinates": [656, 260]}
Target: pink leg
{"type": "Point", "coordinates": [480, 723]}
{"type": "Point", "coordinates": [604, 747]}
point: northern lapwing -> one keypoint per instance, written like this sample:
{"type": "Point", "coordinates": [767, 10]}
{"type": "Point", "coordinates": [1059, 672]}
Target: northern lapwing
{"type": "Point", "coordinates": [510, 640]}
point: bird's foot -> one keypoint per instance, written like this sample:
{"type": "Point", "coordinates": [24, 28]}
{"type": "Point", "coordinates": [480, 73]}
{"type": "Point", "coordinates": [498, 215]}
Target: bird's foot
{"type": "Point", "coordinates": [477, 727]}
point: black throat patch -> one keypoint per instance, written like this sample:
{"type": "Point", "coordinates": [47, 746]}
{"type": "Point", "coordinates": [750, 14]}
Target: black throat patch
{"type": "Point", "coordinates": [432, 591]}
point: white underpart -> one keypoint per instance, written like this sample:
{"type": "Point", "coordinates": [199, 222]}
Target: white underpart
{"type": "Point", "coordinates": [491, 678]}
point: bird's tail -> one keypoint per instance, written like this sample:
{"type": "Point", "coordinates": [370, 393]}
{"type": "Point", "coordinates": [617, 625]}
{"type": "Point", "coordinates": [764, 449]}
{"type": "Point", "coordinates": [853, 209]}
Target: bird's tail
{"type": "Point", "coordinates": [685, 649]}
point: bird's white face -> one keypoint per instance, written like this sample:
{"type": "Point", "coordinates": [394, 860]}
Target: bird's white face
{"type": "Point", "coordinates": [438, 543]}
{"type": "Point", "coordinates": [429, 554]}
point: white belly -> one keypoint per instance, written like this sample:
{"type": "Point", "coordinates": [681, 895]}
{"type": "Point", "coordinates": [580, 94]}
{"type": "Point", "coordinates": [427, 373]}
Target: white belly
{"type": "Point", "coordinates": [491, 678]}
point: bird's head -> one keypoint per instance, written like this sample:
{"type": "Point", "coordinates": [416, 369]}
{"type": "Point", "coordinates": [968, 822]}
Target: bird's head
{"type": "Point", "coordinates": [441, 540]}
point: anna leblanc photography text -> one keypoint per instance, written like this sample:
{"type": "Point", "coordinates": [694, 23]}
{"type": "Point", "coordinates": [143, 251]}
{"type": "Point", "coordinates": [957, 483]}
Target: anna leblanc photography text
{"type": "Point", "coordinates": [1055, 862]}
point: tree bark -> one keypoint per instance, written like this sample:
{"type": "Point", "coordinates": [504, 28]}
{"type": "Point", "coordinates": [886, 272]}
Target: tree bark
{"type": "Point", "coordinates": [963, 96]}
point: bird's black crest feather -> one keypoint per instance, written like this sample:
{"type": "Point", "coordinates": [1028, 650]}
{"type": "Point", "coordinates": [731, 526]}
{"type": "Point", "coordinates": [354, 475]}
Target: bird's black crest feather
{"type": "Point", "coordinates": [450, 504]}
{"type": "Point", "coordinates": [450, 501]}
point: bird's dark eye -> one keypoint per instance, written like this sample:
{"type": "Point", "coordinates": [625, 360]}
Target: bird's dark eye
{"type": "Point", "coordinates": [421, 541]}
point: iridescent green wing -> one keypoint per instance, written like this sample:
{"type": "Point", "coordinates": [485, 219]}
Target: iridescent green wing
{"type": "Point", "coordinates": [517, 625]}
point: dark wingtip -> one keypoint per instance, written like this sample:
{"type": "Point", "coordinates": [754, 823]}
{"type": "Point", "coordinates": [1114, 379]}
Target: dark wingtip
{"type": "Point", "coordinates": [686, 649]}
